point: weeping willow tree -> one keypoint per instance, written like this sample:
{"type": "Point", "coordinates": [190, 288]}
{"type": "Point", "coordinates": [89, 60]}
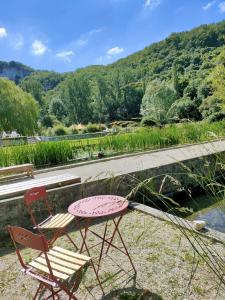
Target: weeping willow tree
{"type": "Point", "coordinates": [18, 109]}
{"type": "Point", "coordinates": [158, 101]}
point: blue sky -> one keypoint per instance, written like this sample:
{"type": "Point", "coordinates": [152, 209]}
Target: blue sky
{"type": "Point", "coordinates": [63, 35]}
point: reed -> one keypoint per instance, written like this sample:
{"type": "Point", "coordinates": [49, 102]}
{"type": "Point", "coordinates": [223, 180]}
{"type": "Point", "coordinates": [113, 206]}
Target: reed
{"type": "Point", "coordinates": [62, 152]}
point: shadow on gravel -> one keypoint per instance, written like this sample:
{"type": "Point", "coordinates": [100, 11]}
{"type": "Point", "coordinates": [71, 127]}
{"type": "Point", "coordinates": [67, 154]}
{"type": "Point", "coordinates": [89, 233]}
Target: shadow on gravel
{"type": "Point", "coordinates": [131, 293]}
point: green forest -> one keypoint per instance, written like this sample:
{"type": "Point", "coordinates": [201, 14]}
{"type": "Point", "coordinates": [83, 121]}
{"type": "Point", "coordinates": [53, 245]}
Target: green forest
{"type": "Point", "coordinates": [175, 80]}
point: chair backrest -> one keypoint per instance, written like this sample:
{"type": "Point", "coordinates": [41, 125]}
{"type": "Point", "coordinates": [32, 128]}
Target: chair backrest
{"type": "Point", "coordinates": [28, 239]}
{"type": "Point", "coordinates": [33, 195]}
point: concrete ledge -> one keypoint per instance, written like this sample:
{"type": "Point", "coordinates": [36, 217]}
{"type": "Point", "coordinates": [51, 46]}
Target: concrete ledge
{"type": "Point", "coordinates": [94, 161]}
{"type": "Point", "coordinates": [207, 232]}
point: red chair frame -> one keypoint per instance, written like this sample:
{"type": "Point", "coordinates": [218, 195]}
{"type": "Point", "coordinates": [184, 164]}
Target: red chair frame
{"type": "Point", "coordinates": [47, 279]}
{"type": "Point", "coordinates": [39, 194]}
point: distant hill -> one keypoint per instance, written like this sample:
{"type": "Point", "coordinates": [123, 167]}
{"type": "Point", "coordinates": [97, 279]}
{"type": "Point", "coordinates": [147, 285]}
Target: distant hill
{"type": "Point", "coordinates": [14, 70]}
{"type": "Point", "coordinates": [120, 86]}
{"type": "Point", "coordinates": [192, 51]}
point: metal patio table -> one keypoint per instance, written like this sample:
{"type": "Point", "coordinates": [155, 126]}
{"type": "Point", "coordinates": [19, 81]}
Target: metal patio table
{"type": "Point", "coordinates": [105, 206]}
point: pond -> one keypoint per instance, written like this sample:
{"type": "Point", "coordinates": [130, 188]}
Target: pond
{"type": "Point", "coordinates": [213, 215]}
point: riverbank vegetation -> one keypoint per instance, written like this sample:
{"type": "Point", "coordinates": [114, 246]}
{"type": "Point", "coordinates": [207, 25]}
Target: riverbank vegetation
{"type": "Point", "coordinates": [44, 154]}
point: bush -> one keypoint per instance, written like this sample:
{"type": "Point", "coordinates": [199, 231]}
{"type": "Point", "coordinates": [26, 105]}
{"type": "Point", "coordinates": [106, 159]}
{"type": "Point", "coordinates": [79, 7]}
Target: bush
{"type": "Point", "coordinates": [210, 106]}
{"type": "Point", "coordinates": [124, 124]}
{"type": "Point", "coordinates": [60, 130]}
{"type": "Point", "coordinates": [49, 132]}
{"type": "Point", "coordinates": [94, 128]}
{"type": "Point", "coordinates": [148, 121]}
{"type": "Point", "coordinates": [185, 108]}
{"type": "Point", "coordinates": [73, 129]}
{"type": "Point", "coordinates": [218, 116]}
{"type": "Point", "coordinates": [47, 121]}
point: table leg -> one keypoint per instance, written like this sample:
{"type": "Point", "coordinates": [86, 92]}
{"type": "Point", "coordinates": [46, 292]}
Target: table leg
{"type": "Point", "coordinates": [114, 232]}
{"type": "Point", "coordinates": [103, 241]}
{"type": "Point", "coordinates": [84, 244]}
{"type": "Point", "coordinates": [128, 255]}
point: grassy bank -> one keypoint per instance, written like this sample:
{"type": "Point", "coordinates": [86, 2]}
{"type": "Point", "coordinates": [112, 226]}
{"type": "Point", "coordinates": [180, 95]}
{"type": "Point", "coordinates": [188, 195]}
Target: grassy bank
{"type": "Point", "coordinates": [55, 153]}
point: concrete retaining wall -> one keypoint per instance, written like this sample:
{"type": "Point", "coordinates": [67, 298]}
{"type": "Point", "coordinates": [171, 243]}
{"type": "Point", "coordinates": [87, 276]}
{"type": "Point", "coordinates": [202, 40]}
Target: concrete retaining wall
{"type": "Point", "coordinates": [13, 211]}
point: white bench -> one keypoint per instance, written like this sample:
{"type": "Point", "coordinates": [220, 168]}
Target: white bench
{"type": "Point", "coordinates": [27, 169]}
{"type": "Point", "coordinates": [19, 188]}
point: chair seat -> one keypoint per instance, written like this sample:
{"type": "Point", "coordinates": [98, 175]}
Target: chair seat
{"type": "Point", "coordinates": [64, 263]}
{"type": "Point", "coordinates": [57, 221]}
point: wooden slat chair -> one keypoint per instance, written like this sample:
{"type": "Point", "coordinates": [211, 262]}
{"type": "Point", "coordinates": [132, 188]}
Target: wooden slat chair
{"type": "Point", "coordinates": [56, 223]}
{"type": "Point", "coordinates": [56, 269]}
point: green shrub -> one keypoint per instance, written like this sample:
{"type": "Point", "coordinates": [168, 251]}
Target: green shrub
{"type": "Point", "coordinates": [124, 124]}
{"type": "Point", "coordinates": [218, 116]}
{"type": "Point", "coordinates": [49, 132]}
{"type": "Point", "coordinates": [148, 121]}
{"type": "Point", "coordinates": [60, 130]}
{"type": "Point", "coordinates": [73, 129]}
{"type": "Point", "coordinates": [94, 128]}
{"type": "Point", "coordinates": [54, 153]}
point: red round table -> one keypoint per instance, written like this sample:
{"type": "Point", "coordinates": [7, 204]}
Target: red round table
{"type": "Point", "coordinates": [101, 206]}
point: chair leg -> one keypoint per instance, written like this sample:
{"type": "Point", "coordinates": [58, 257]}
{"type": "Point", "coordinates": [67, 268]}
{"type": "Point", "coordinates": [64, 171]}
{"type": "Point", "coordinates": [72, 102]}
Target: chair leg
{"type": "Point", "coordinates": [69, 238]}
{"type": "Point", "coordinates": [69, 293]}
{"type": "Point", "coordinates": [37, 292]}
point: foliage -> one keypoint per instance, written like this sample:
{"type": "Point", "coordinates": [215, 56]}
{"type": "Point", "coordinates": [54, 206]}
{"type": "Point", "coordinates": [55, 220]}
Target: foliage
{"type": "Point", "coordinates": [191, 64]}
{"type": "Point", "coordinates": [157, 102]}
{"type": "Point", "coordinates": [94, 128]}
{"type": "Point", "coordinates": [148, 121]}
{"type": "Point", "coordinates": [210, 106]}
{"type": "Point", "coordinates": [46, 79]}
{"type": "Point", "coordinates": [124, 124]}
{"type": "Point", "coordinates": [217, 116]}
{"type": "Point", "coordinates": [76, 94]}
{"type": "Point", "coordinates": [185, 108]}
{"type": "Point", "coordinates": [47, 121]}
{"type": "Point", "coordinates": [57, 108]}
{"type": "Point", "coordinates": [34, 88]}
{"type": "Point", "coordinates": [52, 153]}
{"type": "Point", "coordinates": [18, 109]}
{"type": "Point", "coordinates": [73, 129]}
{"type": "Point", "coordinates": [60, 130]}
{"type": "Point", "coordinates": [217, 77]}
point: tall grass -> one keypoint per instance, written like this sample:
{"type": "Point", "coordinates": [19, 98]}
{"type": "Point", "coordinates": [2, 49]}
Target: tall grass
{"type": "Point", "coordinates": [211, 179]}
{"type": "Point", "coordinates": [54, 153]}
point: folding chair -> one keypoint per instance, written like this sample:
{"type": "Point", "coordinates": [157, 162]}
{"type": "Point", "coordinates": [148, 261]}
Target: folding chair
{"type": "Point", "coordinates": [56, 223]}
{"type": "Point", "coordinates": [56, 269]}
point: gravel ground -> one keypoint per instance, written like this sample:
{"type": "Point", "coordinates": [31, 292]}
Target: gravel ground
{"type": "Point", "coordinates": [162, 256]}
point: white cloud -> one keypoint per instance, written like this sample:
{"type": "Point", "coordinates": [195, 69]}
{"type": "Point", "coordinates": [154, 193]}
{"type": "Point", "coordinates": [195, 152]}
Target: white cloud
{"type": "Point", "coordinates": [38, 47]}
{"type": "Point", "coordinates": [152, 3]}
{"type": "Point", "coordinates": [3, 32]}
{"type": "Point", "coordinates": [209, 5]}
{"type": "Point", "coordinates": [115, 51]}
{"type": "Point", "coordinates": [65, 55]}
{"type": "Point", "coordinates": [222, 7]}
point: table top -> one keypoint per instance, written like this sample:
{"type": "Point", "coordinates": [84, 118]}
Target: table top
{"type": "Point", "coordinates": [98, 206]}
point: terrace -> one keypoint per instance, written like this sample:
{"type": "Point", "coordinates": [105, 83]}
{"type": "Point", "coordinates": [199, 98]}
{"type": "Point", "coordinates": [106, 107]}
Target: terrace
{"type": "Point", "coordinates": [171, 262]}
{"type": "Point", "coordinates": [166, 264]}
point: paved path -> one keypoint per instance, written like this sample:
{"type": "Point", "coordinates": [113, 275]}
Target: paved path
{"type": "Point", "coordinates": [138, 162]}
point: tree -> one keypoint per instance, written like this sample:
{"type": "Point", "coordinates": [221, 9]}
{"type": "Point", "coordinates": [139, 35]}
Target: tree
{"type": "Point", "coordinates": [217, 78]}
{"type": "Point", "coordinates": [57, 108]}
{"type": "Point", "coordinates": [210, 106]}
{"type": "Point", "coordinates": [185, 108]}
{"type": "Point", "coordinates": [34, 88]}
{"type": "Point", "coordinates": [77, 96]}
{"type": "Point", "coordinates": [18, 109]}
{"type": "Point", "coordinates": [157, 102]}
